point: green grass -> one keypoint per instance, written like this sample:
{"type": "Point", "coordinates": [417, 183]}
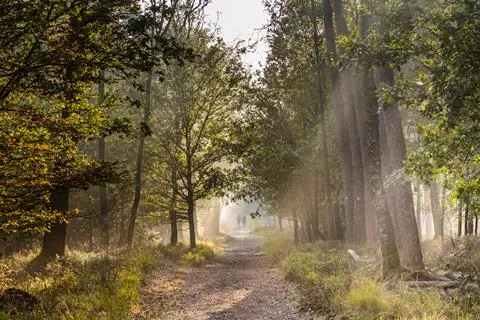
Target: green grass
{"type": "Point", "coordinates": [82, 286]}
{"type": "Point", "coordinates": [368, 298]}
{"type": "Point", "coordinates": [323, 276]}
{"type": "Point", "coordinates": [331, 284]}
{"type": "Point", "coordinates": [198, 256]}
{"type": "Point", "coordinates": [276, 245]}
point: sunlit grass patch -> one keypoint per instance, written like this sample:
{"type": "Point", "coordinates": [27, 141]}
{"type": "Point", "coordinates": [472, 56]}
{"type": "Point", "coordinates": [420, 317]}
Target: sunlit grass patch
{"type": "Point", "coordinates": [368, 298]}
{"type": "Point", "coordinates": [81, 286]}
{"type": "Point", "coordinates": [332, 284]}
{"type": "Point", "coordinates": [203, 253]}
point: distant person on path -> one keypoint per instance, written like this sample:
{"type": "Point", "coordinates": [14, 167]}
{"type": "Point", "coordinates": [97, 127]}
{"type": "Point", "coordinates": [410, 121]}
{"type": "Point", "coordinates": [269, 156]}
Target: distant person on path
{"type": "Point", "coordinates": [239, 220]}
{"type": "Point", "coordinates": [244, 221]}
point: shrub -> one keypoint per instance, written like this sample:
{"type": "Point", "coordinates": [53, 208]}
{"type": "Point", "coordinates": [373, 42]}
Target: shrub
{"type": "Point", "coordinates": [325, 278]}
{"type": "Point", "coordinates": [463, 259]}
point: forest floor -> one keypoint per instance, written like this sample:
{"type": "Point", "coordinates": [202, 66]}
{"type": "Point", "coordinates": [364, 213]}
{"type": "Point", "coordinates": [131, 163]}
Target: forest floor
{"type": "Point", "coordinates": [239, 284]}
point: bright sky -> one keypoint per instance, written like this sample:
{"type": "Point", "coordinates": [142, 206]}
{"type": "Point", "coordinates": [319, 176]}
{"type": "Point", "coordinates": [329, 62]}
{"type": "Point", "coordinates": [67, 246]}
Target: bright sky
{"type": "Point", "coordinates": [241, 20]}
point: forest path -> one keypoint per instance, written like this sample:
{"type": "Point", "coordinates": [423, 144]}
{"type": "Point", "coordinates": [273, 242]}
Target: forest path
{"type": "Point", "coordinates": [241, 285]}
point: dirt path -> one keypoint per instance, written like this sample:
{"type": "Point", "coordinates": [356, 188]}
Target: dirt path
{"type": "Point", "coordinates": [241, 285]}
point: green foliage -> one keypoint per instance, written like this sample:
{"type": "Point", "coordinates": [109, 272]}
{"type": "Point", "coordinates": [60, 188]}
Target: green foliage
{"type": "Point", "coordinates": [51, 55]}
{"type": "Point", "coordinates": [433, 45]}
{"type": "Point", "coordinates": [195, 129]}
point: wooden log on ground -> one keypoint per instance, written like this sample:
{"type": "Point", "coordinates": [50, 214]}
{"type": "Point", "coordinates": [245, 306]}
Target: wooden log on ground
{"type": "Point", "coordinates": [432, 284]}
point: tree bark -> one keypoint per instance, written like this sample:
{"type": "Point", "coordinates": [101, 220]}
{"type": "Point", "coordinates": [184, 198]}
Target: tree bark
{"type": "Point", "coordinates": [369, 197]}
{"type": "Point", "coordinates": [353, 114]}
{"type": "Point", "coordinates": [325, 164]}
{"type": "Point", "coordinates": [191, 219]}
{"type": "Point", "coordinates": [467, 207]}
{"type": "Point", "coordinates": [476, 223]}
{"type": "Point", "coordinates": [172, 210]}
{"type": "Point", "coordinates": [340, 123]}
{"type": "Point", "coordinates": [436, 209]}
{"type": "Point", "coordinates": [316, 207]}
{"type": "Point", "coordinates": [459, 221]}
{"type": "Point", "coordinates": [399, 193]}
{"type": "Point", "coordinates": [295, 228]}
{"type": "Point", "coordinates": [388, 247]}
{"type": "Point", "coordinates": [54, 240]}
{"type": "Point", "coordinates": [469, 220]}
{"type": "Point", "coordinates": [102, 190]}
{"type": "Point", "coordinates": [418, 210]}
{"type": "Point", "coordinates": [139, 161]}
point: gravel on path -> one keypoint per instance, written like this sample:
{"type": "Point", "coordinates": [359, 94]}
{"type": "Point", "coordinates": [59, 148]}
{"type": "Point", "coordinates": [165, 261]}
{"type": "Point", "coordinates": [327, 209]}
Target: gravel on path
{"type": "Point", "coordinates": [241, 285]}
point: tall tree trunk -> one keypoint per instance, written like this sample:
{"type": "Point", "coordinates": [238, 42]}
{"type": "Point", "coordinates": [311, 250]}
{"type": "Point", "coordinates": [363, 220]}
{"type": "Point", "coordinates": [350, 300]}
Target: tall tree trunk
{"type": "Point", "coordinates": [353, 114]}
{"type": "Point", "coordinates": [436, 209]}
{"type": "Point", "coordinates": [172, 210]}
{"type": "Point", "coordinates": [428, 214]}
{"type": "Point", "coordinates": [389, 250]}
{"type": "Point", "coordinates": [418, 210]}
{"type": "Point", "coordinates": [399, 194]}
{"type": "Point", "coordinates": [308, 226]}
{"type": "Point", "coordinates": [469, 219]}
{"type": "Point", "coordinates": [173, 228]}
{"type": "Point", "coordinates": [321, 112]}
{"type": "Point", "coordinates": [102, 190]}
{"type": "Point", "coordinates": [340, 123]}
{"type": "Point", "coordinates": [369, 197]}
{"type": "Point", "coordinates": [476, 223]}
{"type": "Point", "coordinates": [191, 219]}
{"type": "Point", "coordinates": [339, 233]}
{"type": "Point", "coordinates": [139, 163]}
{"type": "Point", "coordinates": [54, 240]}
{"type": "Point", "coordinates": [316, 206]}
{"type": "Point", "coordinates": [386, 235]}
{"type": "Point", "coordinates": [295, 228]}
{"type": "Point", "coordinates": [467, 207]}
{"type": "Point", "coordinates": [459, 221]}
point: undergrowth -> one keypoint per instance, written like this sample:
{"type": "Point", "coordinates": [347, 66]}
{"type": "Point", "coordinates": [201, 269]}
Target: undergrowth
{"type": "Point", "coordinates": [90, 286]}
{"type": "Point", "coordinates": [334, 286]}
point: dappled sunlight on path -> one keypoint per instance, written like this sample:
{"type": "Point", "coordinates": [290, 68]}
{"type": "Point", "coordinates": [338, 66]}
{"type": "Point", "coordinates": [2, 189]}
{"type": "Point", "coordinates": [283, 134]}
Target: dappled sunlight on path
{"type": "Point", "coordinates": [241, 285]}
